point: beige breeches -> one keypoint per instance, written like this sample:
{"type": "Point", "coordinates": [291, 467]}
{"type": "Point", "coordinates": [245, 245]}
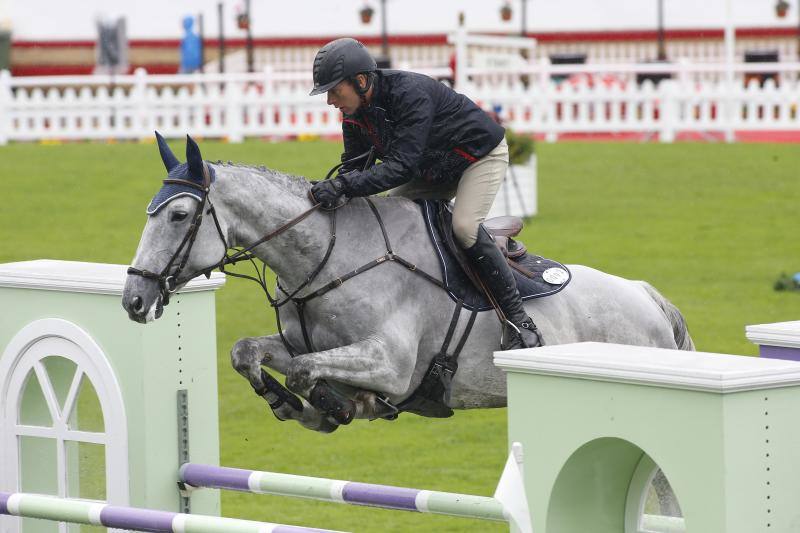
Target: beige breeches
{"type": "Point", "coordinates": [474, 192]}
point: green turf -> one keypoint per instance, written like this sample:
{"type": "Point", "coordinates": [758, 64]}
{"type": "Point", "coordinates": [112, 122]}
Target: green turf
{"type": "Point", "coordinates": [710, 225]}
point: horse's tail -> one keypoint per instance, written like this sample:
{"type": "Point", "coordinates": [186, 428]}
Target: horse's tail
{"type": "Point", "coordinates": [679, 328]}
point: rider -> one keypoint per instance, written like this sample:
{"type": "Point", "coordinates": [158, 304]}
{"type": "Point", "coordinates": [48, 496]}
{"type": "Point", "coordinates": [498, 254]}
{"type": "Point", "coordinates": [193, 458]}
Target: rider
{"type": "Point", "coordinates": [433, 143]}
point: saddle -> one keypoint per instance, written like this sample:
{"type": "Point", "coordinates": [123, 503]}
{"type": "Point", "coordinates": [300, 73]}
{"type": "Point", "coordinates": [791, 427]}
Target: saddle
{"type": "Point", "coordinates": [536, 276]}
{"type": "Point", "coordinates": [502, 229]}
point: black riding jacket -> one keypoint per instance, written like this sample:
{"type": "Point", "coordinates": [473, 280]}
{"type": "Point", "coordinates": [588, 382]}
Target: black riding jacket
{"type": "Point", "coordinates": [419, 128]}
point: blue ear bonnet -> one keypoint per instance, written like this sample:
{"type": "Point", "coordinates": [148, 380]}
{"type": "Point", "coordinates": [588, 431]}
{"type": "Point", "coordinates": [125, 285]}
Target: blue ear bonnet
{"type": "Point", "coordinates": [170, 191]}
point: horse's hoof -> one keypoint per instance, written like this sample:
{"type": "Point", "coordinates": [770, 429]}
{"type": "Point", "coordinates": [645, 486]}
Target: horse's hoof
{"type": "Point", "coordinates": [324, 398]}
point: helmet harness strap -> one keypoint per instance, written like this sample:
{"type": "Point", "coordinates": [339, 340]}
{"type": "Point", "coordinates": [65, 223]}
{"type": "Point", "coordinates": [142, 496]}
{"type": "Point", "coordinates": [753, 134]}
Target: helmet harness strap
{"type": "Point", "coordinates": [362, 91]}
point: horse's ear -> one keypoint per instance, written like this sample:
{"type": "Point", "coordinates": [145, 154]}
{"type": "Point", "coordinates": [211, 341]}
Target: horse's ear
{"type": "Point", "coordinates": [169, 159]}
{"type": "Point", "coordinates": [193, 158]}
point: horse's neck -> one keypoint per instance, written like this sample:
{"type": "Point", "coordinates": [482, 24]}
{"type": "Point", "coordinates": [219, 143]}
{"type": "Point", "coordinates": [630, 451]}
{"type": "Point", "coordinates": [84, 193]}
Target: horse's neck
{"type": "Point", "coordinates": [258, 205]}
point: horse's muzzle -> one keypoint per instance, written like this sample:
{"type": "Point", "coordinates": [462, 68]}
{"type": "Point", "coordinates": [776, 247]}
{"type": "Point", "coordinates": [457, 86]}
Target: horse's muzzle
{"type": "Point", "coordinates": [142, 301]}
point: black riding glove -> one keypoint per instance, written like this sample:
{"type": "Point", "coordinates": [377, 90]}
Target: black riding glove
{"type": "Point", "coordinates": [327, 192]}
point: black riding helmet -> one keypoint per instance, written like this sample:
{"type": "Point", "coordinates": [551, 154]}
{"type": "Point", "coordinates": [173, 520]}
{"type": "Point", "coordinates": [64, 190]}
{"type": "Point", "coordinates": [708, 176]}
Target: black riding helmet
{"type": "Point", "coordinates": [339, 60]}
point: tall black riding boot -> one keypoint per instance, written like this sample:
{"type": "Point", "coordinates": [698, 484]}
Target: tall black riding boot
{"type": "Point", "coordinates": [495, 273]}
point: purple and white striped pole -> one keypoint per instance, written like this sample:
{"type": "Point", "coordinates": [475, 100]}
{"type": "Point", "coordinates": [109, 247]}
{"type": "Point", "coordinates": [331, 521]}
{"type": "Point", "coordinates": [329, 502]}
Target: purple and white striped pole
{"type": "Point", "coordinates": [132, 518]}
{"type": "Point", "coordinates": [349, 492]}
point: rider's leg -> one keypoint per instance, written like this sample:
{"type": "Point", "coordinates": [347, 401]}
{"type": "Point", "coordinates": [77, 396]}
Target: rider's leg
{"type": "Point", "coordinates": [476, 191]}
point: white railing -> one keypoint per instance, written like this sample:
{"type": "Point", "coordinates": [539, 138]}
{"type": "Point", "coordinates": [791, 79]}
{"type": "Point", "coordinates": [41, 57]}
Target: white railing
{"type": "Point", "coordinates": [533, 98]}
{"type": "Point", "coordinates": [608, 98]}
{"type": "Point", "coordinates": [667, 109]}
{"type": "Point", "coordinates": [232, 106]}
{"type": "Point", "coordinates": [682, 70]}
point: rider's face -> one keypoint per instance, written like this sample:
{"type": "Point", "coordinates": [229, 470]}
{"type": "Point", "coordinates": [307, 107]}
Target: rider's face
{"type": "Point", "coordinates": [344, 97]}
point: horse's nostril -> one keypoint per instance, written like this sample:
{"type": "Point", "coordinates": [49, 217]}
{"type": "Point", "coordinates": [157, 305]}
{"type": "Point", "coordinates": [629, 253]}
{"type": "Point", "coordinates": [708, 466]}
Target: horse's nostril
{"type": "Point", "coordinates": [137, 304]}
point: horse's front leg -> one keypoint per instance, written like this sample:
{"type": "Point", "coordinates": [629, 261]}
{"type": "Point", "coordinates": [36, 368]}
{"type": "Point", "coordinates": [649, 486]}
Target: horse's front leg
{"type": "Point", "coordinates": [247, 357]}
{"type": "Point", "coordinates": [370, 365]}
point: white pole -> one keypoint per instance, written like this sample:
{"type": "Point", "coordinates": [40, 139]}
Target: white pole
{"type": "Point", "coordinates": [462, 59]}
{"type": "Point", "coordinates": [730, 53]}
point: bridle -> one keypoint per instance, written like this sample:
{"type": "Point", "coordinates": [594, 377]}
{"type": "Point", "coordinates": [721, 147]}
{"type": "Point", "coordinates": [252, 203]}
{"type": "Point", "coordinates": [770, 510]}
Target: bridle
{"type": "Point", "coordinates": [170, 278]}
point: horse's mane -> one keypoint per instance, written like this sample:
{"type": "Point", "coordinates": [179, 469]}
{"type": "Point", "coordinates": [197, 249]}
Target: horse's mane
{"type": "Point", "coordinates": [298, 185]}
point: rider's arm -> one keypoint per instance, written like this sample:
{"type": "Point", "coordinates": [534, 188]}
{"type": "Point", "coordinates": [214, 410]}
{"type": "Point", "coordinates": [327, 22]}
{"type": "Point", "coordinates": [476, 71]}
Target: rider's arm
{"type": "Point", "coordinates": [354, 145]}
{"type": "Point", "coordinates": [414, 110]}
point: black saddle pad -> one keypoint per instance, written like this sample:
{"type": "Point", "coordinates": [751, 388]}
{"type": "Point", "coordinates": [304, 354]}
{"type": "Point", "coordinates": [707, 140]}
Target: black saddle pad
{"type": "Point", "coordinates": [532, 284]}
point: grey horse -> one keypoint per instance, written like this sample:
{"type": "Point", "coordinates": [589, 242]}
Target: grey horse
{"type": "Point", "coordinates": [376, 334]}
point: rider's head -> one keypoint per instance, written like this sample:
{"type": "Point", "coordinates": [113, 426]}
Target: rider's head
{"type": "Point", "coordinates": [345, 70]}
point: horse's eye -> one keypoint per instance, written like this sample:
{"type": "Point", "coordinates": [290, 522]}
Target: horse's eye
{"type": "Point", "coordinates": [178, 216]}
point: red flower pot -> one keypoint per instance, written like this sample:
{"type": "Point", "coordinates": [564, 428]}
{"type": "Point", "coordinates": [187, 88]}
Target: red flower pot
{"type": "Point", "coordinates": [366, 14]}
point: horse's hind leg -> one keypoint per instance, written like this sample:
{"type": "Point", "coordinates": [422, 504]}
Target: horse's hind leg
{"type": "Point", "coordinates": [248, 355]}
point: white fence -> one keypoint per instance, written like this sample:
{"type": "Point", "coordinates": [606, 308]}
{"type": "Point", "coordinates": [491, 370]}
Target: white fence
{"type": "Point", "coordinates": [530, 99]}
{"type": "Point", "coordinates": [131, 107]}
{"type": "Point", "coordinates": [608, 99]}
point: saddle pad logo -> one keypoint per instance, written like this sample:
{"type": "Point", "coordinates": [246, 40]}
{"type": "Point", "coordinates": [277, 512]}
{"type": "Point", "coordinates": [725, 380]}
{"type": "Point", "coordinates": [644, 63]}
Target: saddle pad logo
{"type": "Point", "coordinates": [555, 276]}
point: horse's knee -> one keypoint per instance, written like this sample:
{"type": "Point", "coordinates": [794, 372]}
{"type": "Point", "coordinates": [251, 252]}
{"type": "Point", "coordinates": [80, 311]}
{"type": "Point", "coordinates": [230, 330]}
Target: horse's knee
{"type": "Point", "coordinates": [300, 376]}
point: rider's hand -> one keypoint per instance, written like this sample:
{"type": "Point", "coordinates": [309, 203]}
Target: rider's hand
{"type": "Point", "coordinates": [328, 191]}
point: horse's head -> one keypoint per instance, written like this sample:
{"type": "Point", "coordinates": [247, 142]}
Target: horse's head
{"type": "Point", "coordinates": [175, 245]}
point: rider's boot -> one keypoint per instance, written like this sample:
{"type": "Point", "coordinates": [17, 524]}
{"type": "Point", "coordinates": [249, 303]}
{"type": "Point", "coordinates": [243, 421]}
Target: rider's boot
{"type": "Point", "coordinates": [498, 278]}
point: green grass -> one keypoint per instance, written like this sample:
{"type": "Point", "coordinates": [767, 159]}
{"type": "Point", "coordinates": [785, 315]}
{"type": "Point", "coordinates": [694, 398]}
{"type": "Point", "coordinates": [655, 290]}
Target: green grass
{"type": "Point", "coordinates": [710, 225]}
